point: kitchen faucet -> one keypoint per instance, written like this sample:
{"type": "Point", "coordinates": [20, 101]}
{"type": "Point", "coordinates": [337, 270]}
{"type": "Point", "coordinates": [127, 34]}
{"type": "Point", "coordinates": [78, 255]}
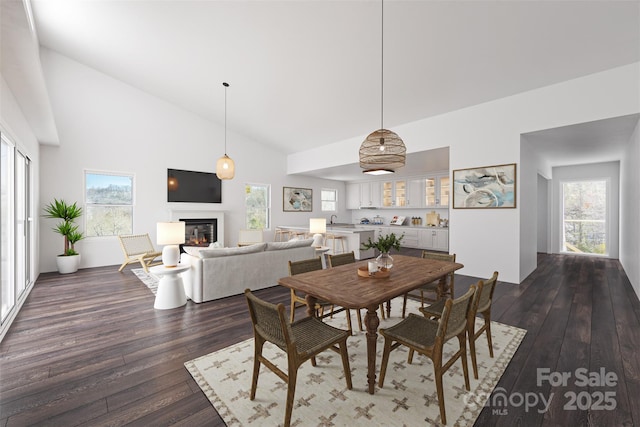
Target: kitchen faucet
{"type": "Point", "coordinates": [331, 220]}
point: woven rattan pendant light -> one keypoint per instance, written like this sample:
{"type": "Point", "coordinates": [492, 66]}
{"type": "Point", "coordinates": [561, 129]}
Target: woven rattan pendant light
{"type": "Point", "coordinates": [383, 150]}
{"type": "Point", "coordinates": [225, 167]}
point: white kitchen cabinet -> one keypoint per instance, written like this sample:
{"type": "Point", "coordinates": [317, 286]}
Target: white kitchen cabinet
{"type": "Point", "coordinates": [437, 191]}
{"type": "Point", "coordinates": [394, 194]}
{"type": "Point", "coordinates": [353, 195]}
{"type": "Point", "coordinates": [411, 237]}
{"type": "Point", "coordinates": [415, 193]}
{"type": "Point", "coordinates": [370, 194]}
{"type": "Point", "coordinates": [364, 194]}
{"type": "Point", "coordinates": [436, 239]}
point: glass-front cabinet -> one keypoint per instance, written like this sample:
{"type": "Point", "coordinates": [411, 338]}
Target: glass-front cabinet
{"type": "Point", "coordinates": [394, 194]}
{"type": "Point", "coordinates": [411, 193]}
{"type": "Point", "coordinates": [437, 190]}
{"type": "Point", "coordinates": [445, 189]}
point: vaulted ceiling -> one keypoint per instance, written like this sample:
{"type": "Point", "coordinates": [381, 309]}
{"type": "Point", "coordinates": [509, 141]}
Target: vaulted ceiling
{"type": "Point", "coordinates": [307, 73]}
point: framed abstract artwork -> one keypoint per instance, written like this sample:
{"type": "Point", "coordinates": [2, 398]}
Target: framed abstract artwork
{"type": "Point", "coordinates": [297, 199]}
{"type": "Point", "coordinates": [485, 187]}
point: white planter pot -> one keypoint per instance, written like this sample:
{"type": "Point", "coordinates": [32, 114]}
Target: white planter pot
{"type": "Point", "coordinates": [68, 264]}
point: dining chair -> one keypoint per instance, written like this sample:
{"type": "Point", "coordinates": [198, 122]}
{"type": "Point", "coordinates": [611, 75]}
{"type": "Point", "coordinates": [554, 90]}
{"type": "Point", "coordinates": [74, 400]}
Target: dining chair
{"type": "Point", "coordinates": [434, 286]}
{"type": "Point", "coordinates": [481, 303]}
{"type": "Point", "coordinates": [428, 336]}
{"type": "Point", "coordinates": [301, 341]}
{"type": "Point", "coordinates": [349, 258]}
{"type": "Point", "coordinates": [304, 266]}
{"type": "Point", "coordinates": [299, 267]}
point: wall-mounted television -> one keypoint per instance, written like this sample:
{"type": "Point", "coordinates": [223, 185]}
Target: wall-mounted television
{"type": "Point", "coordinates": [194, 187]}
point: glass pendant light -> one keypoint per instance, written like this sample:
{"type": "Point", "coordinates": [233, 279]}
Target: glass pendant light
{"type": "Point", "coordinates": [225, 167]}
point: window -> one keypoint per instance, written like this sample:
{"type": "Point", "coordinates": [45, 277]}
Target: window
{"type": "Point", "coordinates": [329, 200]}
{"type": "Point", "coordinates": [109, 204]}
{"type": "Point", "coordinates": [585, 208]}
{"type": "Point", "coordinates": [258, 206]}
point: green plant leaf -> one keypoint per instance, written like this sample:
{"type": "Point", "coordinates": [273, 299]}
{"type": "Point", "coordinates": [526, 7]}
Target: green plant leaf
{"type": "Point", "coordinates": [384, 243]}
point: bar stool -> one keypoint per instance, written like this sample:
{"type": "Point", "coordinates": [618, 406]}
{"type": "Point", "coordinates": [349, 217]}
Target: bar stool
{"type": "Point", "coordinates": [281, 235]}
{"type": "Point", "coordinates": [298, 234]}
{"type": "Point", "coordinates": [335, 238]}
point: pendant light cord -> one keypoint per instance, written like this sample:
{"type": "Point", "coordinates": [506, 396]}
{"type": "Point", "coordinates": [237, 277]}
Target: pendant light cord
{"type": "Point", "coordinates": [226, 85]}
{"type": "Point", "coordinates": [382, 66]}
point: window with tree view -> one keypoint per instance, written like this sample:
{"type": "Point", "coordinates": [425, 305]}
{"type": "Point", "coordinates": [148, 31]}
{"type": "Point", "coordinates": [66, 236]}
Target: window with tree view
{"type": "Point", "coordinates": [585, 217]}
{"type": "Point", "coordinates": [109, 204]}
{"type": "Point", "coordinates": [258, 206]}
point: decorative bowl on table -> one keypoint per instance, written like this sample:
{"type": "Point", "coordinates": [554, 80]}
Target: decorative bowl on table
{"type": "Point", "coordinates": [382, 273]}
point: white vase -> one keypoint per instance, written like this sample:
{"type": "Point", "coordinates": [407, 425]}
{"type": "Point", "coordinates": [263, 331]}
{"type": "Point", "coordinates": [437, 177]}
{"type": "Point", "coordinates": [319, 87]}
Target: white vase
{"type": "Point", "coordinates": [384, 260]}
{"type": "Point", "coordinates": [68, 263]}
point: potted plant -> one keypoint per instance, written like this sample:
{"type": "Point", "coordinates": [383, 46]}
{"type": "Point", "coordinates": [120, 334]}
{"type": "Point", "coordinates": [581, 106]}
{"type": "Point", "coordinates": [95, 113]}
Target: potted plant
{"type": "Point", "coordinates": [384, 244]}
{"type": "Point", "coordinates": [69, 260]}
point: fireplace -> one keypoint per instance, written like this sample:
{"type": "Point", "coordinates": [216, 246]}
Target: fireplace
{"type": "Point", "coordinates": [207, 215]}
{"type": "Point", "coordinates": [200, 231]}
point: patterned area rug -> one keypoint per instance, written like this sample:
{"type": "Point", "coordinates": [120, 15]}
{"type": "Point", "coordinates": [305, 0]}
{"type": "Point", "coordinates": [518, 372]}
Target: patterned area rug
{"type": "Point", "coordinates": [322, 398]}
{"type": "Point", "coordinates": [147, 278]}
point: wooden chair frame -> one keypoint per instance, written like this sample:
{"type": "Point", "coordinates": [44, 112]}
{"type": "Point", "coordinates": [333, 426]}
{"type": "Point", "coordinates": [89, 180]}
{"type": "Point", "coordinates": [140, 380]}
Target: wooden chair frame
{"type": "Point", "coordinates": [481, 303]}
{"type": "Point", "coordinates": [433, 286]}
{"type": "Point", "coordinates": [427, 337]}
{"type": "Point", "coordinates": [301, 341]}
{"type": "Point", "coordinates": [304, 266]}
{"type": "Point", "coordinates": [138, 248]}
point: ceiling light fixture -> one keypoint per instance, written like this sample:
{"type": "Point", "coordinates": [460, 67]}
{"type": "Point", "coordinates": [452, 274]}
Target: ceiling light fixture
{"type": "Point", "coordinates": [383, 150]}
{"type": "Point", "coordinates": [225, 167]}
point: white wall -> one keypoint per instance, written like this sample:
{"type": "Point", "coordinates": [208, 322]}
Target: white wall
{"type": "Point", "coordinates": [107, 125]}
{"type": "Point", "coordinates": [630, 210]}
{"type": "Point", "coordinates": [543, 214]}
{"type": "Point", "coordinates": [489, 134]}
{"type": "Point", "coordinates": [609, 171]}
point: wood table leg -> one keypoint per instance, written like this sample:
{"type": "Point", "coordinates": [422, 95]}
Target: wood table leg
{"type": "Point", "coordinates": [443, 289]}
{"type": "Point", "coordinates": [371, 322]}
{"type": "Point", "coordinates": [311, 305]}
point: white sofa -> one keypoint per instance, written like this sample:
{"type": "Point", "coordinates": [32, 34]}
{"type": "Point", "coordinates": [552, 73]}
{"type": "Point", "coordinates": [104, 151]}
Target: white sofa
{"type": "Point", "coordinates": [219, 273]}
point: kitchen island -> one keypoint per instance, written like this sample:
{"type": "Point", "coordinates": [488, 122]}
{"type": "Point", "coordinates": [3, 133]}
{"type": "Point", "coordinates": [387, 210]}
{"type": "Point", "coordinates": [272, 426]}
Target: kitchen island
{"type": "Point", "coordinates": [354, 238]}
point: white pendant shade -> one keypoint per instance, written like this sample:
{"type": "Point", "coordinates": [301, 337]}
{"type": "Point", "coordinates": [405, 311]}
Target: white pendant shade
{"type": "Point", "coordinates": [225, 168]}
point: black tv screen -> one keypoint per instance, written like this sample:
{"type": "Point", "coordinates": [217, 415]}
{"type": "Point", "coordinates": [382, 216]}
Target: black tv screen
{"type": "Point", "coordinates": [192, 186]}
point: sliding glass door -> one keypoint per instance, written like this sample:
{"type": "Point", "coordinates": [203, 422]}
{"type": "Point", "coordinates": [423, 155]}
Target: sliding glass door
{"type": "Point", "coordinates": [23, 223]}
{"type": "Point", "coordinates": [16, 227]}
{"type": "Point", "coordinates": [8, 294]}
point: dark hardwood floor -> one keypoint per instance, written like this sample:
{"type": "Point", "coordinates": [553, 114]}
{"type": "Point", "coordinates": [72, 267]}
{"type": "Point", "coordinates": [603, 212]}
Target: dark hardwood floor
{"type": "Point", "coordinates": [89, 349]}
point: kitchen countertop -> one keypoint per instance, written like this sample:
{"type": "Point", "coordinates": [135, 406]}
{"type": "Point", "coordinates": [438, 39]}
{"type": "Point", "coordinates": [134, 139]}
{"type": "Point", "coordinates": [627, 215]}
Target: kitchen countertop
{"type": "Point", "coordinates": [403, 226]}
{"type": "Point", "coordinates": [335, 229]}
{"type": "Point", "coordinates": [358, 228]}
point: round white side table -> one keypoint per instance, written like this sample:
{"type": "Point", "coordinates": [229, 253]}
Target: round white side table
{"type": "Point", "coordinates": [170, 292]}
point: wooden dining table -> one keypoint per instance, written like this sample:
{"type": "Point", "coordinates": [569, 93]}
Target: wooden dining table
{"type": "Point", "coordinates": [343, 286]}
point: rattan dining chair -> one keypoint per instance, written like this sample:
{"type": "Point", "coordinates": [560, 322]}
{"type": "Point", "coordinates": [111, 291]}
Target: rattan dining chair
{"type": "Point", "coordinates": [481, 303]}
{"type": "Point", "coordinates": [349, 258]}
{"type": "Point", "coordinates": [427, 337]}
{"type": "Point", "coordinates": [301, 341]}
{"type": "Point", "coordinates": [304, 266]}
{"type": "Point", "coordinates": [434, 286]}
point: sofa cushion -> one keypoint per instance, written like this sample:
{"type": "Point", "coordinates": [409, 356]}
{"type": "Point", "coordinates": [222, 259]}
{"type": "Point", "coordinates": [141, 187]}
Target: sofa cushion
{"type": "Point", "coordinates": [192, 250]}
{"type": "Point", "coordinates": [276, 246]}
{"type": "Point", "coordinates": [216, 253]}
